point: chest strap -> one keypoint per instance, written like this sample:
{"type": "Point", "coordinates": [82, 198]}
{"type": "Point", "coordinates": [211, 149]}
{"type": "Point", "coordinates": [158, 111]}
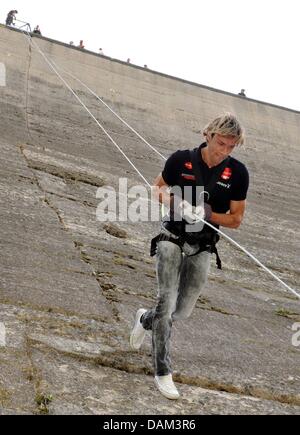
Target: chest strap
{"type": "Point", "coordinates": [196, 157]}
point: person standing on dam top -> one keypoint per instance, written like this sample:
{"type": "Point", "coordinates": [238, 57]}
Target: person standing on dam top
{"type": "Point", "coordinates": [11, 16]}
{"type": "Point", "coordinates": [37, 30]}
{"type": "Point", "coordinates": [185, 243]}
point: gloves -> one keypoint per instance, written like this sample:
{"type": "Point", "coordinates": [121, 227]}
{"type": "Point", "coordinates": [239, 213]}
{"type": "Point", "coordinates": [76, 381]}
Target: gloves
{"type": "Point", "coordinates": [190, 214]}
{"type": "Point", "coordinates": [193, 215]}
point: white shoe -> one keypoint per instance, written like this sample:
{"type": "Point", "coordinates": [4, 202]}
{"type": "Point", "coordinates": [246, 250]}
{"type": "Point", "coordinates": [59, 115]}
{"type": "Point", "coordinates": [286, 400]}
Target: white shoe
{"type": "Point", "coordinates": [138, 332]}
{"type": "Point", "coordinates": [167, 387]}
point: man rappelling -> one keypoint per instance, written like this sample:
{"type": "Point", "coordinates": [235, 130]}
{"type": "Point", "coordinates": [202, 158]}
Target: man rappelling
{"type": "Point", "coordinates": [184, 245]}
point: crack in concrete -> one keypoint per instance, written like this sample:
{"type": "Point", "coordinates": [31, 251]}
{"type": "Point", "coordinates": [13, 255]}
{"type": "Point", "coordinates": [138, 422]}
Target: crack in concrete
{"type": "Point", "coordinates": [247, 390]}
{"type": "Point", "coordinates": [69, 198]}
{"type": "Point", "coordinates": [76, 245]}
{"type": "Point", "coordinates": [51, 310]}
{"type": "Point", "coordinates": [5, 397]}
{"type": "Point", "coordinates": [33, 375]}
{"type": "Point", "coordinates": [87, 260]}
{"type": "Point", "coordinates": [218, 310]}
{"type": "Point", "coordinates": [65, 175]}
{"type": "Point", "coordinates": [115, 361]}
{"type": "Point", "coordinates": [41, 388]}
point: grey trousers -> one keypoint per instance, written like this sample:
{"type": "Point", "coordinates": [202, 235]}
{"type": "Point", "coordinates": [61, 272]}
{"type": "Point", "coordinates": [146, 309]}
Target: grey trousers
{"type": "Point", "coordinates": [180, 282]}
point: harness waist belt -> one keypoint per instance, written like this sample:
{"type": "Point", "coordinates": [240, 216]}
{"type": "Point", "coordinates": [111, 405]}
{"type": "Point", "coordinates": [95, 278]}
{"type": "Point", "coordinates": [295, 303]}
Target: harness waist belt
{"type": "Point", "coordinates": [209, 246]}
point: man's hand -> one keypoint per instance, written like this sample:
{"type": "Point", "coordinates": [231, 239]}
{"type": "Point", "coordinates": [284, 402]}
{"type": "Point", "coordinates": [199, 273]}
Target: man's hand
{"type": "Point", "coordinates": [191, 215]}
{"type": "Point", "coordinates": [194, 215]}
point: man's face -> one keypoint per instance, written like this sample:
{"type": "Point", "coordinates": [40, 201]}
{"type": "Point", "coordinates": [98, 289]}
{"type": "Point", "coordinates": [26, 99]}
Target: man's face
{"type": "Point", "coordinates": [220, 147]}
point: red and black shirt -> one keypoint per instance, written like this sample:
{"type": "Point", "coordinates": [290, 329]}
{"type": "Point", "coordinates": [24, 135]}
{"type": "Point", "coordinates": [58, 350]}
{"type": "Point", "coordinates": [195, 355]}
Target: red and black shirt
{"type": "Point", "coordinates": [232, 185]}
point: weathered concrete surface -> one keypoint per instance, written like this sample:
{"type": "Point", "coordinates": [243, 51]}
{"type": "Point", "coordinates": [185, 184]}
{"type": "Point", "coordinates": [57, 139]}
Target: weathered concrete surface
{"type": "Point", "coordinates": [70, 286]}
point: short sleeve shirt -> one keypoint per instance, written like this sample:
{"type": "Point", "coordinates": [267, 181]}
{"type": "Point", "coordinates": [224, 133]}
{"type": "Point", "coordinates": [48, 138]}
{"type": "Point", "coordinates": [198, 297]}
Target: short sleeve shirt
{"type": "Point", "coordinates": [232, 185]}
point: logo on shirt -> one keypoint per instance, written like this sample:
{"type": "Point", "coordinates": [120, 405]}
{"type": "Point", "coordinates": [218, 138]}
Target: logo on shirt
{"type": "Point", "coordinates": [226, 174]}
{"type": "Point", "coordinates": [188, 165]}
{"type": "Point", "coordinates": [227, 186]}
{"type": "Point", "coordinates": [189, 177]}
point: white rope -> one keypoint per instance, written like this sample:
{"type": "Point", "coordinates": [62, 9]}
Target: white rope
{"type": "Point", "coordinates": [109, 108]}
{"type": "Point", "coordinates": [149, 185]}
{"type": "Point", "coordinates": [89, 112]}
{"type": "Point", "coordinates": [254, 259]}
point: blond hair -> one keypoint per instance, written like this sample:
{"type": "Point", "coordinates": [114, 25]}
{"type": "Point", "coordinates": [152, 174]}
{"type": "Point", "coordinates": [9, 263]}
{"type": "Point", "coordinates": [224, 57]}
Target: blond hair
{"type": "Point", "coordinates": [226, 125]}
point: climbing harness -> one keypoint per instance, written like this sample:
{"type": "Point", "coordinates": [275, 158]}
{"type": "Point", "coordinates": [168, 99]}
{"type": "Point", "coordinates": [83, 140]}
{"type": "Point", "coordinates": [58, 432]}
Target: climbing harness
{"type": "Point", "coordinates": [206, 242]}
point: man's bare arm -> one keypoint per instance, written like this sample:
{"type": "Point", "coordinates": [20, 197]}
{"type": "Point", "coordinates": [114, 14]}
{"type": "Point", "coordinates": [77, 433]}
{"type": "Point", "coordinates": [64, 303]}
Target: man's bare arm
{"type": "Point", "coordinates": [232, 219]}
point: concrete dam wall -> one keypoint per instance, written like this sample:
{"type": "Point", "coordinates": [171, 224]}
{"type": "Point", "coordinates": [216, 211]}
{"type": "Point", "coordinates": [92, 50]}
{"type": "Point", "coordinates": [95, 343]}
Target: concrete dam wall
{"type": "Point", "coordinates": [70, 285]}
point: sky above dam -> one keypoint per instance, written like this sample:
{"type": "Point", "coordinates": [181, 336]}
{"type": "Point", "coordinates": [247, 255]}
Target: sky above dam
{"type": "Point", "coordinates": [228, 45]}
